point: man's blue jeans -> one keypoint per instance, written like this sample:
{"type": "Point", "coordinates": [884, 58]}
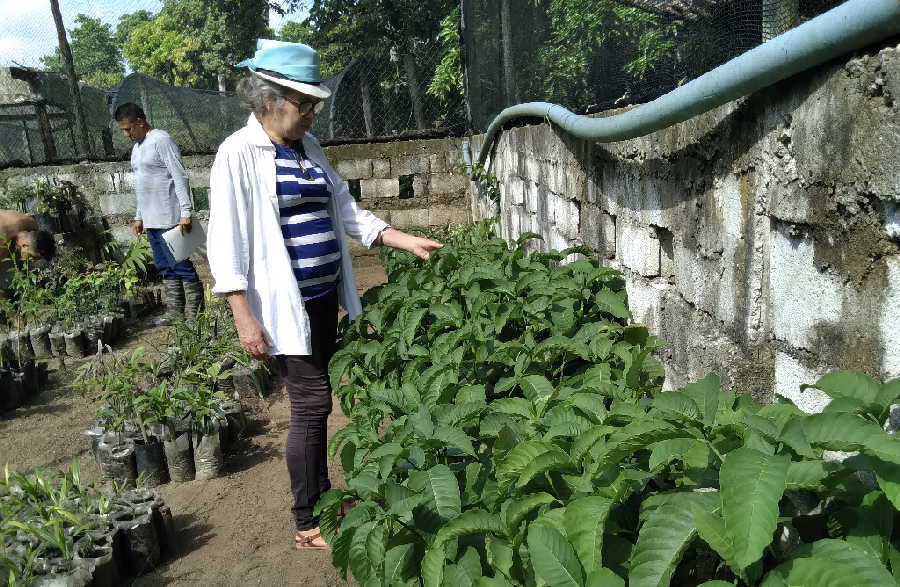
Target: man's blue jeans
{"type": "Point", "coordinates": [165, 262]}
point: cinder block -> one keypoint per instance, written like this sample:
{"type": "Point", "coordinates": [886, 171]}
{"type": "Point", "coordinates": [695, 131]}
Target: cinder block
{"type": "Point", "coordinates": [111, 204]}
{"type": "Point", "coordinates": [441, 215]}
{"type": "Point", "coordinates": [514, 190]}
{"type": "Point", "coordinates": [638, 248]}
{"type": "Point", "coordinates": [379, 188]}
{"type": "Point", "coordinates": [437, 163]}
{"type": "Point", "coordinates": [447, 183]}
{"type": "Point", "coordinates": [381, 168]}
{"type": "Point", "coordinates": [405, 218]}
{"type": "Point", "coordinates": [121, 233]}
{"type": "Point", "coordinates": [420, 186]}
{"type": "Point", "coordinates": [890, 322]}
{"type": "Point", "coordinates": [409, 165]}
{"type": "Point", "coordinates": [790, 374]}
{"type": "Point", "coordinates": [802, 297]}
{"type": "Point", "coordinates": [354, 168]}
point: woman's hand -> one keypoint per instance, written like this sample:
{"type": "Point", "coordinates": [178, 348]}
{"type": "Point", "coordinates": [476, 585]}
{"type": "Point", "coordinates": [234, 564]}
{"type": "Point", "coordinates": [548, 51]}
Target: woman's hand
{"type": "Point", "coordinates": [250, 332]}
{"type": "Point", "coordinates": [417, 245]}
{"type": "Point", "coordinates": [253, 338]}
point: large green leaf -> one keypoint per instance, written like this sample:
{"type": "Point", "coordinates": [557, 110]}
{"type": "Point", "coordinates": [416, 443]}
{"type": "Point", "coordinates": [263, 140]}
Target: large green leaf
{"type": "Point", "coordinates": [521, 455]}
{"type": "Point", "coordinates": [752, 484]}
{"type": "Point", "coordinates": [360, 563]}
{"type": "Point", "coordinates": [712, 530]}
{"type": "Point", "coordinates": [604, 577]}
{"type": "Point", "coordinates": [553, 558]}
{"type": "Point", "coordinates": [456, 438]}
{"type": "Point", "coordinates": [848, 432]}
{"type": "Point", "coordinates": [536, 388]}
{"type": "Point", "coordinates": [636, 436]}
{"type": "Point", "coordinates": [851, 384]}
{"type": "Point", "coordinates": [612, 302]}
{"type": "Point", "coordinates": [874, 525]}
{"type": "Point", "coordinates": [500, 554]}
{"type": "Point", "coordinates": [679, 403]}
{"type": "Point", "coordinates": [517, 509]}
{"type": "Point", "coordinates": [888, 476]}
{"type": "Point", "coordinates": [585, 520]}
{"type": "Point", "coordinates": [807, 474]}
{"type": "Point", "coordinates": [663, 538]}
{"type": "Point", "coordinates": [552, 460]}
{"type": "Point", "coordinates": [397, 562]}
{"type": "Point", "coordinates": [443, 488]}
{"type": "Point", "coordinates": [705, 394]}
{"type": "Point", "coordinates": [517, 406]}
{"type": "Point", "coordinates": [835, 562]}
{"type": "Point", "coordinates": [692, 452]}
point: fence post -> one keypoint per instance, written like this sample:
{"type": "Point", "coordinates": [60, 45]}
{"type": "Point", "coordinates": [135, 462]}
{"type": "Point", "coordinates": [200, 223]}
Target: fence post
{"type": "Point", "coordinates": [74, 89]}
{"type": "Point", "coordinates": [27, 142]}
{"type": "Point", "coordinates": [40, 112]}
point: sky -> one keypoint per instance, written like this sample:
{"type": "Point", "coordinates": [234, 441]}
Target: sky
{"type": "Point", "coordinates": [27, 31]}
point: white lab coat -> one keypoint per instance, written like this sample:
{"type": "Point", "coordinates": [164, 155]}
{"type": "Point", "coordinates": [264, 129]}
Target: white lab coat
{"type": "Point", "coordinates": [245, 246]}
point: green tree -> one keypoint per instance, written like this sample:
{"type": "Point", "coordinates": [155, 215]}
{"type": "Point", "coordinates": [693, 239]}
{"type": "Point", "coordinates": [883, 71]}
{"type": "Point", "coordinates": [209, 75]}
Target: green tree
{"type": "Point", "coordinates": [128, 22]}
{"type": "Point", "coordinates": [160, 49]}
{"type": "Point", "coordinates": [98, 59]}
{"type": "Point", "coordinates": [225, 31]}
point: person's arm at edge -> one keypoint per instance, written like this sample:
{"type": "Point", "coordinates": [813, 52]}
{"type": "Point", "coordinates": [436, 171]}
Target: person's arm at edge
{"type": "Point", "coordinates": [171, 158]}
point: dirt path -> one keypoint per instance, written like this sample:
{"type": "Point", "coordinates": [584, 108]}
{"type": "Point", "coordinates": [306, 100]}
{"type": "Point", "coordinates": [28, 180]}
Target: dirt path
{"type": "Point", "coordinates": [235, 530]}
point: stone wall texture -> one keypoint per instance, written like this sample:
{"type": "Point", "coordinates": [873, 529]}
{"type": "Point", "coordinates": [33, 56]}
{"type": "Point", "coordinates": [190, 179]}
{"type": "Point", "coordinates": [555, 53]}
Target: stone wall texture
{"type": "Point", "coordinates": [406, 183]}
{"type": "Point", "coordinates": [760, 240]}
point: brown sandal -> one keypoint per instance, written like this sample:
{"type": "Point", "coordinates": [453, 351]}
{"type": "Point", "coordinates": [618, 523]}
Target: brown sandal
{"type": "Point", "coordinates": [308, 541]}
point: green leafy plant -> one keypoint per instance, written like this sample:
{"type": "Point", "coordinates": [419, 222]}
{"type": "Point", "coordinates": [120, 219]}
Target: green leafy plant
{"type": "Point", "coordinates": [43, 515]}
{"type": "Point", "coordinates": [508, 427]}
{"type": "Point", "coordinates": [116, 382]}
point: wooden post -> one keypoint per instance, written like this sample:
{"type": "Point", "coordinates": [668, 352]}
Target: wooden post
{"type": "Point", "coordinates": [509, 73]}
{"type": "Point", "coordinates": [27, 142]}
{"type": "Point", "coordinates": [40, 112]}
{"type": "Point", "coordinates": [365, 92]}
{"type": "Point", "coordinates": [74, 89]}
{"type": "Point", "coordinates": [412, 80]}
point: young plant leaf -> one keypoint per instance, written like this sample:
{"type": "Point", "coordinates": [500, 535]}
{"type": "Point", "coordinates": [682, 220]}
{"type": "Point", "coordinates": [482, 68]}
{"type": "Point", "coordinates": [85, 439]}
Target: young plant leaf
{"type": "Point", "coordinates": [553, 557]}
{"type": "Point", "coordinates": [751, 485]}
{"type": "Point", "coordinates": [585, 520]}
{"type": "Point", "coordinates": [443, 488]}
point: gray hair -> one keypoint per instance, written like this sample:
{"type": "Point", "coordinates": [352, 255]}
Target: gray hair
{"type": "Point", "coordinates": [258, 95]}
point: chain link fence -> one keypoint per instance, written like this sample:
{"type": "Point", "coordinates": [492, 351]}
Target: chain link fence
{"type": "Point", "coordinates": [594, 55]}
{"type": "Point", "coordinates": [448, 68]}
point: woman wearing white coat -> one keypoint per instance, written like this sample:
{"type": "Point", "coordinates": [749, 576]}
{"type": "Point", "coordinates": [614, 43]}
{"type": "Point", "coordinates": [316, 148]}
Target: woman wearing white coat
{"type": "Point", "coordinates": [278, 216]}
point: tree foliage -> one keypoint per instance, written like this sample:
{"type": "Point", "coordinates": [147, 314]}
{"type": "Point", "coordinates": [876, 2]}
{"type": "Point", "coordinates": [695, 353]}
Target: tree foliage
{"type": "Point", "coordinates": [160, 49]}
{"type": "Point", "coordinates": [97, 55]}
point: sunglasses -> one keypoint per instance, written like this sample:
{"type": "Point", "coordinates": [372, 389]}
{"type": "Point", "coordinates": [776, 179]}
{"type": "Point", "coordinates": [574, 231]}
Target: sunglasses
{"type": "Point", "coordinates": [306, 107]}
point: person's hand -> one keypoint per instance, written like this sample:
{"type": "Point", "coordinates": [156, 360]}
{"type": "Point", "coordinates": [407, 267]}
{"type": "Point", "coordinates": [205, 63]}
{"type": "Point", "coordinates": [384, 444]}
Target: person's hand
{"type": "Point", "coordinates": [417, 245]}
{"type": "Point", "coordinates": [252, 337]}
{"type": "Point", "coordinates": [137, 227]}
{"type": "Point", "coordinates": [185, 223]}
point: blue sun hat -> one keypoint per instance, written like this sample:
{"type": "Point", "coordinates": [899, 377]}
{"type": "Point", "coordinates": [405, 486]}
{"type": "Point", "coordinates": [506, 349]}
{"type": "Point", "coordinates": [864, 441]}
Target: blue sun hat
{"type": "Point", "coordinates": [293, 65]}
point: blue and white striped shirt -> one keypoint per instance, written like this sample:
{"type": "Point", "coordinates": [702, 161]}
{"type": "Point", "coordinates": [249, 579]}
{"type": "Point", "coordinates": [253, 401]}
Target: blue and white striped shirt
{"type": "Point", "coordinates": [303, 191]}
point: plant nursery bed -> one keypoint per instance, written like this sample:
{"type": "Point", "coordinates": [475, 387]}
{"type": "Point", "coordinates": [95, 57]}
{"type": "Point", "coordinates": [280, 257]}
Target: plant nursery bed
{"type": "Point", "coordinates": [232, 530]}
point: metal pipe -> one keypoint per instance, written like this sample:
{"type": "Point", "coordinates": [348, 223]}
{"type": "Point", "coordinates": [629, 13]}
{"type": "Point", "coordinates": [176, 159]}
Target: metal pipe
{"type": "Point", "coordinates": [852, 25]}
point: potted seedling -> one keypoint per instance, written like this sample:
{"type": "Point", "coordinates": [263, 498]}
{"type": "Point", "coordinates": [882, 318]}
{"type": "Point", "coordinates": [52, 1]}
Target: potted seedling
{"type": "Point", "coordinates": [207, 417]}
{"type": "Point", "coordinates": [154, 406]}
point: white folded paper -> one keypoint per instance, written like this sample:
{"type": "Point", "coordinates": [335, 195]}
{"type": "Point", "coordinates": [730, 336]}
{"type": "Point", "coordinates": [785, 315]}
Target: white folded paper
{"type": "Point", "coordinates": [181, 245]}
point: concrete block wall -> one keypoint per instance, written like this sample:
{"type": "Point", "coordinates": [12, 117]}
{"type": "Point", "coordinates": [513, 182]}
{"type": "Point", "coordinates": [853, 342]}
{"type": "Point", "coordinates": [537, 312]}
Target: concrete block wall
{"type": "Point", "coordinates": [760, 240]}
{"type": "Point", "coordinates": [437, 191]}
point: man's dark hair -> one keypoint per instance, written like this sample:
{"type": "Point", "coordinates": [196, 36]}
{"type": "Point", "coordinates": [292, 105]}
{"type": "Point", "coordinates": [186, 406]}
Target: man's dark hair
{"type": "Point", "coordinates": [130, 111]}
{"type": "Point", "coordinates": [42, 243]}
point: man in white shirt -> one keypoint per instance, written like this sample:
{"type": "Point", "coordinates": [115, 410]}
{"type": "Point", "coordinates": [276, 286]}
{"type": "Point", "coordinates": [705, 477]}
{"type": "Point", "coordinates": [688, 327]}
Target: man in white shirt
{"type": "Point", "coordinates": [163, 202]}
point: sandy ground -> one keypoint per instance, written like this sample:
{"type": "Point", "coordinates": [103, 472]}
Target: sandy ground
{"type": "Point", "coordinates": [235, 530]}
